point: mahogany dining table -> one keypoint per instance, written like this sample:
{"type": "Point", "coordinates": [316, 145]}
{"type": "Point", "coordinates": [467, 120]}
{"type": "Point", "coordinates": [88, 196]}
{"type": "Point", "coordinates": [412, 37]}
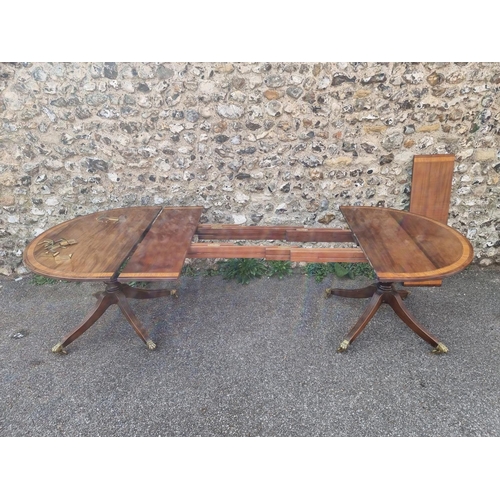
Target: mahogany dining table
{"type": "Point", "coordinates": [146, 243]}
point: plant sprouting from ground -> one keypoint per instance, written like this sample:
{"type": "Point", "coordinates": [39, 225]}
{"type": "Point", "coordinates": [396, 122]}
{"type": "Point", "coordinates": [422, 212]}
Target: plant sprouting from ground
{"type": "Point", "coordinates": [279, 268]}
{"type": "Point", "coordinates": [320, 271]}
{"type": "Point", "coordinates": [243, 270]}
{"type": "Point", "coordinates": [37, 279]}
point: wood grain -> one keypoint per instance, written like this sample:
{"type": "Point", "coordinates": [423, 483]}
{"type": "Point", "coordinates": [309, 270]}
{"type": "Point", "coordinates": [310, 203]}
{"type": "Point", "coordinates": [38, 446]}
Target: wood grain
{"type": "Point", "coordinates": [327, 255]}
{"type": "Point", "coordinates": [431, 186]}
{"type": "Point", "coordinates": [403, 246]}
{"type": "Point", "coordinates": [103, 241]}
{"type": "Point", "coordinates": [313, 234]}
{"type": "Point", "coordinates": [431, 182]}
{"type": "Point", "coordinates": [285, 233]}
{"type": "Point", "coordinates": [294, 254]}
{"type": "Point", "coordinates": [160, 255]}
{"type": "Point", "coordinates": [237, 232]}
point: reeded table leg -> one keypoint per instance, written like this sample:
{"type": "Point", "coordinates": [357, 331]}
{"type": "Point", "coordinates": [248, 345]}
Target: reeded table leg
{"type": "Point", "coordinates": [383, 293]}
{"type": "Point", "coordinates": [115, 293]}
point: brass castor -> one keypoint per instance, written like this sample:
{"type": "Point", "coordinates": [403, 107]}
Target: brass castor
{"type": "Point", "coordinates": [59, 348]}
{"type": "Point", "coordinates": [343, 346]}
{"type": "Point", "coordinates": [151, 345]}
{"type": "Point", "coordinates": [440, 349]}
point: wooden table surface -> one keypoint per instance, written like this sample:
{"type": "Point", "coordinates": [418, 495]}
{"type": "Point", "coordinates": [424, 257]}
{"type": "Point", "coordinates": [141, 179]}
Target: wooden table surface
{"type": "Point", "coordinates": [103, 241]}
{"type": "Point", "coordinates": [161, 254]}
{"type": "Point", "coordinates": [151, 242]}
{"type": "Point", "coordinates": [402, 246]}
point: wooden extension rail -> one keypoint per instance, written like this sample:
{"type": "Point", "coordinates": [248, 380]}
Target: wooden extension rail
{"type": "Point", "coordinates": [286, 233]}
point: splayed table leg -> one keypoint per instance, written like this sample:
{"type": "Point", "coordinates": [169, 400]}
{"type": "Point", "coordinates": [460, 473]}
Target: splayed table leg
{"type": "Point", "coordinates": [115, 293]}
{"type": "Point", "coordinates": [384, 293]}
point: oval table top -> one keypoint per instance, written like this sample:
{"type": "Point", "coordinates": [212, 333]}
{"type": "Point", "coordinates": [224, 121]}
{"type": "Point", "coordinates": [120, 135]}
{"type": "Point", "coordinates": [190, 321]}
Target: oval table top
{"type": "Point", "coordinates": [402, 246]}
{"type": "Point", "coordinates": [151, 243]}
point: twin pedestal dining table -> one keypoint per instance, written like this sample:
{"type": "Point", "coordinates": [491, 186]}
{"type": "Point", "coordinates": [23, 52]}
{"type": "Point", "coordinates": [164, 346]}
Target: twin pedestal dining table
{"type": "Point", "coordinates": [151, 243]}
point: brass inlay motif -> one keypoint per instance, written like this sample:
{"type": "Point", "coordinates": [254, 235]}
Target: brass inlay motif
{"type": "Point", "coordinates": [54, 247]}
{"type": "Point", "coordinates": [103, 218]}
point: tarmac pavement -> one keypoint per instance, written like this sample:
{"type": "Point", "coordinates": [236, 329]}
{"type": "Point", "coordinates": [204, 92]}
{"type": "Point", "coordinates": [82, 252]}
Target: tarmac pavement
{"type": "Point", "coordinates": [251, 360]}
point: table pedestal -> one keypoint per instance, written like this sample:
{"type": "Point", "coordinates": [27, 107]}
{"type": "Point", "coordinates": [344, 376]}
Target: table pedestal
{"type": "Point", "coordinates": [115, 293]}
{"type": "Point", "coordinates": [383, 293]}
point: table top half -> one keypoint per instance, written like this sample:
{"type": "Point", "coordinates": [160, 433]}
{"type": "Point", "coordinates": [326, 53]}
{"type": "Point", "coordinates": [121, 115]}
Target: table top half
{"type": "Point", "coordinates": [127, 244]}
{"type": "Point", "coordinates": [401, 246]}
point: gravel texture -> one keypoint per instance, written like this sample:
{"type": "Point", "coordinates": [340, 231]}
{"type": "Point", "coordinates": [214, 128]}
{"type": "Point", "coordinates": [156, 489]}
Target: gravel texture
{"type": "Point", "coordinates": [251, 360]}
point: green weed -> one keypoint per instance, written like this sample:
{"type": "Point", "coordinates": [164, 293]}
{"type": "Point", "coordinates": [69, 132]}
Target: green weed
{"type": "Point", "coordinates": [279, 268]}
{"type": "Point", "coordinates": [243, 270]}
{"type": "Point", "coordinates": [36, 279]}
{"type": "Point", "coordinates": [320, 271]}
{"type": "Point", "coordinates": [189, 270]}
{"type": "Point", "coordinates": [362, 269]}
{"type": "Point", "coordinates": [211, 271]}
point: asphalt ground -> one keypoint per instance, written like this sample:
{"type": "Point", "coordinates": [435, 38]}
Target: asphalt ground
{"type": "Point", "coordinates": [251, 360]}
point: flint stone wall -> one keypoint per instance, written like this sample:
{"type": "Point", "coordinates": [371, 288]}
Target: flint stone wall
{"type": "Point", "coordinates": [254, 143]}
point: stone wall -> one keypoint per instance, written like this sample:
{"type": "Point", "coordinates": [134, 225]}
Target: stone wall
{"type": "Point", "coordinates": [254, 143]}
